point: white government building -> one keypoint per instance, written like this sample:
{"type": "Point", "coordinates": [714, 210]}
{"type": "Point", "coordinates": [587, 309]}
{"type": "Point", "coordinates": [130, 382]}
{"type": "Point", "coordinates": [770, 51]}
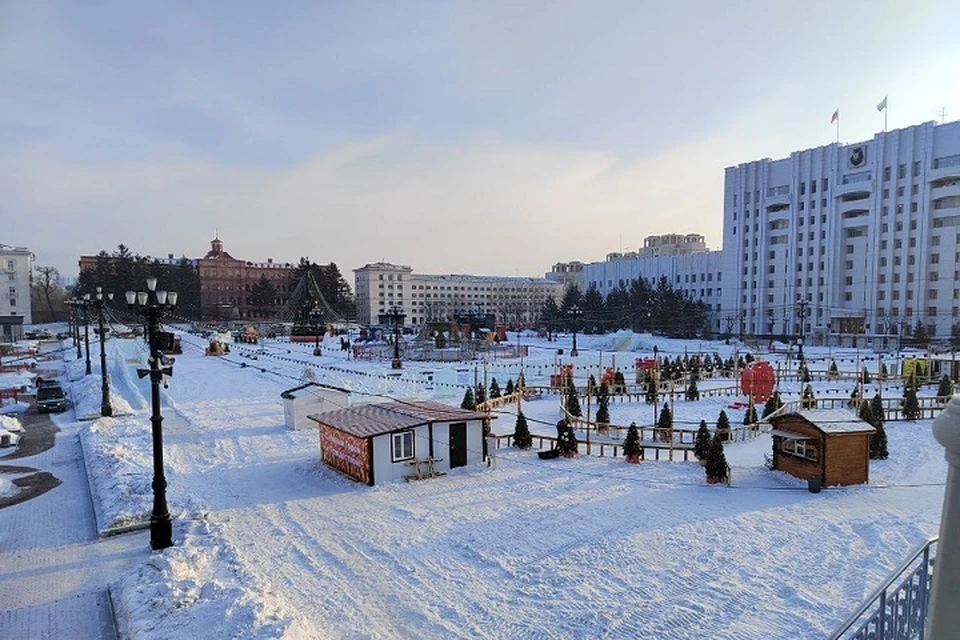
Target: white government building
{"type": "Point", "coordinates": [17, 265]}
{"type": "Point", "coordinates": [429, 297]}
{"type": "Point", "coordinates": [867, 234]}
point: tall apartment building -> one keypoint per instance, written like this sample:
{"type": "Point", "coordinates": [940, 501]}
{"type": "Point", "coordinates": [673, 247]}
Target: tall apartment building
{"type": "Point", "coordinates": [429, 297]}
{"type": "Point", "coordinates": [868, 234]}
{"type": "Point", "coordinates": [16, 265]}
{"type": "Point", "coordinates": [672, 244]}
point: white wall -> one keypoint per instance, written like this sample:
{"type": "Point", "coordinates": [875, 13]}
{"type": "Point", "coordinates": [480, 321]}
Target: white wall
{"type": "Point", "coordinates": [385, 470]}
{"type": "Point", "coordinates": [312, 401]}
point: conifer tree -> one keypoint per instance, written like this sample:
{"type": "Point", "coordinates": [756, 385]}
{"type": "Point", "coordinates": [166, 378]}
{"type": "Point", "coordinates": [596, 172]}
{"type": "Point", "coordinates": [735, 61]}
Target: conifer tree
{"type": "Point", "coordinates": [573, 402]}
{"type": "Point", "coordinates": [494, 389]}
{"type": "Point", "coordinates": [865, 376]}
{"type": "Point", "coordinates": [631, 445]}
{"type": "Point", "coordinates": [773, 403]}
{"type": "Point", "coordinates": [468, 401]}
{"type": "Point", "coordinates": [910, 404]}
{"type": "Point", "coordinates": [521, 433]}
{"type": "Point", "coordinates": [693, 393]}
{"type": "Point", "coordinates": [723, 425]}
{"type": "Point", "coordinates": [619, 383]}
{"type": "Point", "coordinates": [866, 413]}
{"type": "Point", "coordinates": [481, 394]}
{"type": "Point", "coordinates": [650, 389]}
{"type": "Point", "coordinates": [591, 385]}
{"type": "Point", "coordinates": [716, 466]}
{"type": "Point", "coordinates": [944, 389]}
{"type": "Point", "coordinates": [855, 396]}
{"type": "Point", "coordinates": [878, 442]}
{"type": "Point", "coordinates": [808, 400]}
{"type": "Point", "coordinates": [603, 404]}
{"type": "Point", "coordinates": [750, 415]}
{"type": "Point", "coordinates": [804, 372]}
{"type": "Point", "coordinates": [566, 439]}
{"type": "Point", "coordinates": [702, 443]}
{"type": "Point", "coordinates": [509, 387]}
{"type": "Point", "coordinates": [877, 410]}
{"type": "Point", "coordinates": [883, 371]}
{"type": "Point", "coordinates": [834, 372]}
{"type": "Point", "coordinates": [665, 424]}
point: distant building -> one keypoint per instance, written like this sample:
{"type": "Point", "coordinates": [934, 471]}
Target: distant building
{"type": "Point", "coordinates": [429, 297]}
{"type": "Point", "coordinates": [672, 244]}
{"type": "Point", "coordinates": [17, 265]}
{"type": "Point", "coordinates": [568, 273]}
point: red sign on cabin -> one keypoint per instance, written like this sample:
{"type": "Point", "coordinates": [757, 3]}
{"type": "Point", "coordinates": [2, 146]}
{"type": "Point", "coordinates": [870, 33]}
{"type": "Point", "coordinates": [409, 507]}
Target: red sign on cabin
{"type": "Point", "coordinates": [346, 453]}
{"type": "Point", "coordinates": [757, 381]}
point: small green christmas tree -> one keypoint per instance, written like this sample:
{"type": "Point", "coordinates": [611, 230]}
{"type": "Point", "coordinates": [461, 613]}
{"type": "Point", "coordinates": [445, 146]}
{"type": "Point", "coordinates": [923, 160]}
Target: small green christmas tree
{"type": "Point", "coordinates": [481, 394]}
{"type": "Point", "coordinates": [468, 402]}
{"type": "Point", "coordinates": [866, 413]}
{"type": "Point", "coordinates": [603, 404]}
{"type": "Point", "coordinates": [750, 415]}
{"type": "Point", "coordinates": [591, 385]}
{"type": "Point", "coordinates": [665, 424]}
{"type": "Point", "coordinates": [509, 387]}
{"type": "Point", "coordinates": [876, 409]}
{"type": "Point", "coordinates": [494, 389]}
{"type": "Point", "coordinates": [573, 402]}
{"type": "Point", "coordinates": [650, 389]}
{"type": "Point", "coordinates": [631, 445]}
{"type": "Point", "coordinates": [521, 433]}
{"type": "Point", "coordinates": [772, 404]}
{"type": "Point", "coordinates": [910, 404]}
{"type": "Point", "coordinates": [944, 389]}
{"type": "Point", "coordinates": [865, 376]}
{"type": "Point", "coordinates": [566, 439]}
{"type": "Point", "coordinates": [804, 373]}
{"type": "Point", "coordinates": [716, 466]}
{"type": "Point", "coordinates": [619, 383]}
{"type": "Point", "coordinates": [702, 443]}
{"type": "Point", "coordinates": [834, 372]}
{"type": "Point", "coordinates": [878, 442]}
{"type": "Point", "coordinates": [808, 400]}
{"type": "Point", "coordinates": [693, 393]}
{"type": "Point", "coordinates": [723, 425]}
{"type": "Point", "coordinates": [855, 396]}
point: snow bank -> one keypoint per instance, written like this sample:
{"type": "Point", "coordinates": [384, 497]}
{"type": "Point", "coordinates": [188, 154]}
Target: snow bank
{"type": "Point", "coordinates": [10, 407]}
{"type": "Point", "coordinates": [119, 459]}
{"type": "Point", "coordinates": [11, 424]}
{"type": "Point", "coordinates": [197, 588]}
{"type": "Point", "coordinates": [7, 488]}
{"type": "Point", "coordinates": [87, 396]}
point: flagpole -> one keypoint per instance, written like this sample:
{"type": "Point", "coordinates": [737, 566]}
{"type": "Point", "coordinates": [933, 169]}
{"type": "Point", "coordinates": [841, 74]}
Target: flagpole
{"type": "Point", "coordinates": [838, 129]}
{"type": "Point", "coordinates": [885, 109]}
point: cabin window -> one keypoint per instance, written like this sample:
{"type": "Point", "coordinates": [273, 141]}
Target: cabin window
{"type": "Point", "coordinates": [800, 449]}
{"type": "Point", "coordinates": [402, 446]}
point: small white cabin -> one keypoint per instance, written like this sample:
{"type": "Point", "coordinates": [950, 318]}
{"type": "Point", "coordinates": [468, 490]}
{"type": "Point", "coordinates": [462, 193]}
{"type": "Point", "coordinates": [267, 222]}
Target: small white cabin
{"type": "Point", "coordinates": [389, 441]}
{"type": "Point", "coordinates": [311, 398]}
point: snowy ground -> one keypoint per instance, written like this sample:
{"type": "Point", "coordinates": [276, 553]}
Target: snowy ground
{"type": "Point", "coordinates": [270, 543]}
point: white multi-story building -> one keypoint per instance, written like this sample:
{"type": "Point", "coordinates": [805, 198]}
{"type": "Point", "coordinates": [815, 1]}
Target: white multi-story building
{"type": "Point", "coordinates": [672, 244]}
{"type": "Point", "coordinates": [867, 234]}
{"type": "Point", "coordinates": [16, 265]}
{"type": "Point", "coordinates": [570, 274]}
{"type": "Point", "coordinates": [699, 275]}
{"type": "Point", "coordinates": [429, 297]}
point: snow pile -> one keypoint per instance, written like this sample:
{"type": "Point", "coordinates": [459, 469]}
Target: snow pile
{"type": "Point", "coordinates": [119, 459]}
{"type": "Point", "coordinates": [9, 406]}
{"type": "Point", "coordinates": [20, 380]}
{"type": "Point", "coordinates": [7, 488]}
{"type": "Point", "coordinates": [87, 397]}
{"type": "Point", "coordinates": [10, 429]}
{"type": "Point", "coordinates": [197, 588]}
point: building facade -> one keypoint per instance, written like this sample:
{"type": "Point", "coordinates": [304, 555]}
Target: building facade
{"type": "Point", "coordinates": [568, 273]}
{"type": "Point", "coordinates": [429, 297]}
{"type": "Point", "coordinates": [672, 244]}
{"type": "Point", "coordinates": [865, 235]}
{"type": "Point", "coordinates": [17, 267]}
{"type": "Point", "coordinates": [226, 283]}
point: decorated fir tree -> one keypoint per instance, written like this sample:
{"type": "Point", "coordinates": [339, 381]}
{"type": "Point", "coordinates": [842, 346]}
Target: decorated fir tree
{"type": "Point", "coordinates": [631, 445]}
{"type": "Point", "coordinates": [619, 383]}
{"type": "Point", "coordinates": [865, 376]}
{"type": "Point", "coordinates": [572, 400]}
{"type": "Point", "coordinates": [481, 394]}
{"type": "Point", "coordinates": [944, 389]}
{"type": "Point", "coordinates": [509, 387]}
{"type": "Point", "coordinates": [591, 385]}
{"type": "Point", "coordinates": [878, 442]}
{"type": "Point", "coordinates": [468, 401]}
{"type": "Point", "coordinates": [692, 393]}
{"type": "Point", "coordinates": [494, 389]}
{"type": "Point", "coordinates": [702, 443]}
{"type": "Point", "coordinates": [808, 400]}
{"type": "Point", "coordinates": [865, 413]}
{"type": "Point", "coordinates": [834, 372]}
{"type": "Point", "coordinates": [772, 404]}
{"type": "Point", "coordinates": [876, 409]}
{"type": "Point", "coordinates": [650, 389]}
{"type": "Point", "coordinates": [723, 425]}
{"type": "Point", "coordinates": [665, 424]}
{"type": "Point", "coordinates": [716, 466]}
{"type": "Point", "coordinates": [603, 404]}
{"type": "Point", "coordinates": [521, 433]}
{"type": "Point", "coordinates": [566, 439]}
{"type": "Point", "coordinates": [750, 415]}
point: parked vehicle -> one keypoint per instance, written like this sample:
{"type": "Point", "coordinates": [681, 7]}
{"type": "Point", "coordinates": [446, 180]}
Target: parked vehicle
{"type": "Point", "coordinates": [51, 398]}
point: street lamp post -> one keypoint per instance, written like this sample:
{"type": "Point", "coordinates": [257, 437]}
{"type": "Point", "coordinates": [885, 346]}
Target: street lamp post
{"type": "Point", "coordinates": [152, 304]}
{"type": "Point", "coordinates": [802, 314]}
{"type": "Point", "coordinates": [574, 313]}
{"type": "Point", "coordinates": [86, 328]}
{"type": "Point", "coordinates": [396, 363]}
{"type": "Point", "coordinates": [315, 317]}
{"type": "Point", "coordinates": [105, 409]}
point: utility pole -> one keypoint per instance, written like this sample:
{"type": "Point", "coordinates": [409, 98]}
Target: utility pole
{"type": "Point", "coordinates": [802, 314]}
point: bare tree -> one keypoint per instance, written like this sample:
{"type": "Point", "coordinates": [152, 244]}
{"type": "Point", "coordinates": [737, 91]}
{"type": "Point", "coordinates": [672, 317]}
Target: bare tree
{"type": "Point", "coordinates": [46, 283]}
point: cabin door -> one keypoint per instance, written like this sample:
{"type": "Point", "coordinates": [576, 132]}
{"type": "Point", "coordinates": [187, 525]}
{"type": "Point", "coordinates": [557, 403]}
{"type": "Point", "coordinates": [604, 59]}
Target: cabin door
{"type": "Point", "coordinates": [458, 445]}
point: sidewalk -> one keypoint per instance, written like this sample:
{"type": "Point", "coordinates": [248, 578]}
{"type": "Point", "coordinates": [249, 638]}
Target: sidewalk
{"type": "Point", "coordinates": [54, 570]}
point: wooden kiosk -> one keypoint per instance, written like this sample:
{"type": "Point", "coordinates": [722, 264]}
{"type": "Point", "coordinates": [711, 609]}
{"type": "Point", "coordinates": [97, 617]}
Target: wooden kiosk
{"type": "Point", "coordinates": [832, 444]}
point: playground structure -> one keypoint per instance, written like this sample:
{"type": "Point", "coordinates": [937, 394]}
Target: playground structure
{"type": "Point", "coordinates": [216, 348]}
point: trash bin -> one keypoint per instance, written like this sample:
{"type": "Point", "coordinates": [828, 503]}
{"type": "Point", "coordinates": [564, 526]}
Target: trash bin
{"type": "Point", "coordinates": [814, 484]}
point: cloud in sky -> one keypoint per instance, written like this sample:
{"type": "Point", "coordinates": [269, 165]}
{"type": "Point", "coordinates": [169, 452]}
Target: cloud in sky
{"type": "Point", "coordinates": [465, 137]}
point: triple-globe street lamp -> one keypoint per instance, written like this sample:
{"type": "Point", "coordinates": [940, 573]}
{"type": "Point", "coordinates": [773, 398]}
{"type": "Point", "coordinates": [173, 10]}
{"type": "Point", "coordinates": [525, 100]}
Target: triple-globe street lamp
{"type": "Point", "coordinates": [152, 304]}
{"type": "Point", "coordinates": [99, 302]}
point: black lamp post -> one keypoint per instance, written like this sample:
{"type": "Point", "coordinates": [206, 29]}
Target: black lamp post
{"type": "Point", "coordinates": [802, 314]}
{"type": "Point", "coordinates": [105, 409]}
{"type": "Point", "coordinates": [315, 317]}
{"type": "Point", "coordinates": [86, 328]}
{"type": "Point", "coordinates": [395, 314]}
{"type": "Point", "coordinates": [75, 314]}
{"type": "Point", "coordinates": [152, 304]}
{"type": "Point", "coordinates": [574, 314]}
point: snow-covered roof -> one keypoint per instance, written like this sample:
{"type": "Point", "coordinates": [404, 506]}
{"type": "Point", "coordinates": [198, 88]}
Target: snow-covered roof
{"type": "Point", "coordinates": [376, 419]}
{"type": "Point", "coordinates": [307, 389]}
{"type": "Point", "coordinates": [834, 420]}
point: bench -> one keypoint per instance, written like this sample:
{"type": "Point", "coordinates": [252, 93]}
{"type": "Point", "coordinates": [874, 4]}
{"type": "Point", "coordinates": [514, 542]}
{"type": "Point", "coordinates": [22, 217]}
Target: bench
{"type": "Point", "coordinates": [424, 468]}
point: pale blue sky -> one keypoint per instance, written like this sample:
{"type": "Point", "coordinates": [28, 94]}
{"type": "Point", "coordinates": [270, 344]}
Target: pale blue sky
{"type": "Point", "coordinates": [479, 137]}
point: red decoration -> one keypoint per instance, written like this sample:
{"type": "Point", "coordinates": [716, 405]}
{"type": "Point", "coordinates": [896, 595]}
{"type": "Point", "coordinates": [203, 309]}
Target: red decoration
{"type": "Point", "coordinates": [757, 381]}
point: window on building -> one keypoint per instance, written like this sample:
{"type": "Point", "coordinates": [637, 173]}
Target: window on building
{"type": "Point", "coordinates": [886, 175]}
{"type": "Point", "coordinates": [886, 194]}
{"type": "Point", "coordinates": [402, 446]}
{"type": "Point", "coordinates": [848, 296]}
{"type": "Point", "coordinates": [899, 192]}
{"type": "Point", "coordinates": [916, 169]}
{"type": "Point", "coordinates": [902, 171]}
{"type": "Point", "coordinates": [913, 207]}
{"type": "Point", "coordinates": [914, 190]}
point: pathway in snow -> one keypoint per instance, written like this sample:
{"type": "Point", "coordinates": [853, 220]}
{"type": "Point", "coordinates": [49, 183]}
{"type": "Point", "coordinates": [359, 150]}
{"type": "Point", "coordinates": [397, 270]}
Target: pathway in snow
{"type": "Point", "coordinates": [53, 569]}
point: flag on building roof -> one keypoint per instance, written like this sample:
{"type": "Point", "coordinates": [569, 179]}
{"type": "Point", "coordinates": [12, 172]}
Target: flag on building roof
{"type": "Point", "coordinates": [835, 116]}
{"type": "Point", "coordinates": [883, 104]}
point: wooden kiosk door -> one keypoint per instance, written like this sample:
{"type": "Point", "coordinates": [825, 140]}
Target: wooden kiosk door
{"type": "Point", "coordinates": [458, 445]}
